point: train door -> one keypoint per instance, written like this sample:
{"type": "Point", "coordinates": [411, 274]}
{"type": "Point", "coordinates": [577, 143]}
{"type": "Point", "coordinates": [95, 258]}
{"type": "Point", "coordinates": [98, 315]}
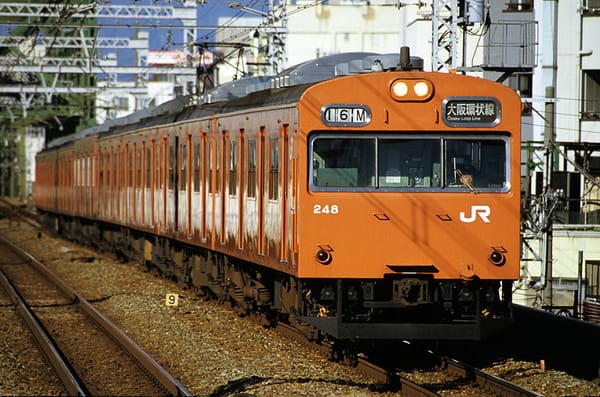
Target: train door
{"type": "Point", "coordinates": [174, 181]}
{"type": "Point", "coordinates": [164, 170]}
{"type": "Point", "coordinates": [135, 184]}
{"type": "Point", "coordinates": [283, 183]}
{"type": "Point", "coordinates": [198, 195]}
{"type": "Point", "coordinates": [113, 178]}
{"type": "Point", "coordinates": [206, 181]}
{"type": "Point", "coordinates": [143, 180]}
{"type": "Point", "coordinates": [240, 191]}
{"type": "Point", "coordinates": [153, 166]}
{"type": "Point", "coordinates": [223, 182]}
{"type": "Point", "coordinates": [261, 192]}
{"type": "Point", "coordinates": [187, 164]}
{"type": "Point", "coordinates": [211, 182]}
{"type": "Point", "coordinates": [128, 183]}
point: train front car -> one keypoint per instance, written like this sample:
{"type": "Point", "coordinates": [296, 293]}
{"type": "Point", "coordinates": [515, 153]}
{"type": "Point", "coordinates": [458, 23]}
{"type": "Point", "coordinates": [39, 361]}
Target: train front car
{"type": "Point", "coordinates": [408, 206]}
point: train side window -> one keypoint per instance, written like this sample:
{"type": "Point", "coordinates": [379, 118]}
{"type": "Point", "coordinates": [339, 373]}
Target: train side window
{"type": "Point", "coordinates": [129, 158]}
{"type": "Point", "coordinates": [158, 181]}
{"type": "Point", "coordinates": [209, 164]}
{"type": "Point", "coordinates": [101, 171]}
{"type": "Point", "coordinates": [274, 169]}
{"type": "Point", "coordinates": [197, 165]}
{"type": "Point", "coordinates": [219, 144]}
{"type": "Point", "coordinates": [149, 165]}
{"type": "Point", "coordinates": [171, 162]}
{"type": "Point", "coordinates": [183, 166]}
{"type": "Point", "coordinates": [251, 187]}
{"type": "Point", "coordinates": [233, 164]}
{"type": "Point", "coordinates": [138, 166]}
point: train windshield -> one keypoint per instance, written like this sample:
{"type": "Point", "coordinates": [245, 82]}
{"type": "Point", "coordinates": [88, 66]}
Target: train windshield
{"type": "Point", "coordinates": [423, 163]}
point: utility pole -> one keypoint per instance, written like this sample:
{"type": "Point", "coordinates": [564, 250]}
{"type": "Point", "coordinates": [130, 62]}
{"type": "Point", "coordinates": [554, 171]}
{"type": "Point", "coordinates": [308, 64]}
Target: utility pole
{"type": "Point", "coordinates": [275, 27]}
{"type": "Point", "coordinates": [450, 19]}
{"type": "Point", "coordinates": [547, 198]}
{"type": "Point", "coordinates": [444, 43]}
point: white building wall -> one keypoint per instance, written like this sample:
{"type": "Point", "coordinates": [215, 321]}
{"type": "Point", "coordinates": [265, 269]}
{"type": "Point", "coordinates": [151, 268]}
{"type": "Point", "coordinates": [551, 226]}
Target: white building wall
{"type": "Point", "coordinates": [379, 27]}
{"type": "Point", "coordinates": [327, 30]}
{"type": "Point", "coordinates": [316, 31]}
{"type": "Point", "coordinates": [568, 84]}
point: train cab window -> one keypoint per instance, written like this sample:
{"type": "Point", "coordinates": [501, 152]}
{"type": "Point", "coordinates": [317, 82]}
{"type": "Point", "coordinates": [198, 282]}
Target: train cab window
{"type": "Point", "coordinates": [475, 163]}
{"type": "Point", "coordinates": [419, 163]}
{"type": "Point", "coordinates": [408, 163]}
{"type": "Point", "coordinates": [343, 162]}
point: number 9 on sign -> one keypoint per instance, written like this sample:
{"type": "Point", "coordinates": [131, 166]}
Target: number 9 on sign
{"type": "Point", "coordinates": [172, 300]}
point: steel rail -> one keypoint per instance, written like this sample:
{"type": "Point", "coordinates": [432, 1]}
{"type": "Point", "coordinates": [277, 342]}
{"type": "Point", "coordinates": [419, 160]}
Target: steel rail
{"type": "Point", "coordinates": [172, 385]}
{"type": "Point", "coordinates": [64, 371]}
{"type": "Point", "coordinates": [502, 386]}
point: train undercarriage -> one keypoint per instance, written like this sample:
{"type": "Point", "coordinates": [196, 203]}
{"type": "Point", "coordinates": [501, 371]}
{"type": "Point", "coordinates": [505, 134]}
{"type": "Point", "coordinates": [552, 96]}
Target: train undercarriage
{"type": "Point", "coordinates": [413, 307]}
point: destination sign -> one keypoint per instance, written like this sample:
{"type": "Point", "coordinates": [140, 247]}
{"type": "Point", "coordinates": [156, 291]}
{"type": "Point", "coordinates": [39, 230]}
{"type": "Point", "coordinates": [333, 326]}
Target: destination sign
{"type": "Point", "coordinates": [471, 111]}
{"type": "Point", "coordinates": [337, 115]}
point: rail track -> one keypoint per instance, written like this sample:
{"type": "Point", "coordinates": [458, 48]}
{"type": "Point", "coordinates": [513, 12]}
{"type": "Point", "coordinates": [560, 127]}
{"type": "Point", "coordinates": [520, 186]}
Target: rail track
{"type": "Point", "coordinates": [110, 363]}
{"type": "Point", "coordinates": [454, 374]}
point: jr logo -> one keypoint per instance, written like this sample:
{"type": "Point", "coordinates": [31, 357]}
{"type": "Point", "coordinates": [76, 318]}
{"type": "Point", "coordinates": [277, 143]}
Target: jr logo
{"type": "Point", "coordinates": [483, 211]}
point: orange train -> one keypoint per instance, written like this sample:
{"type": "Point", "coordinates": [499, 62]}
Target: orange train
{"type": "Point", "coordinates": [356, 197]}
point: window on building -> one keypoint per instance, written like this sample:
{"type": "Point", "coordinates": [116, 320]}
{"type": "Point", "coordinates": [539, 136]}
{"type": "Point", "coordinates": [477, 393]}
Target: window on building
{"type": "Point", "coordinates": [522, 83]}
{"type": "Point", "coordinates": [120, 103]}
{"type": "Point", "coordinates": [592, 275]}
{"type": "Point", "coordinates": [519, 5]}
{"type": "Point", "coordinates": [591, 95]}
{"type": "Point", "coordinates": [591, 7]}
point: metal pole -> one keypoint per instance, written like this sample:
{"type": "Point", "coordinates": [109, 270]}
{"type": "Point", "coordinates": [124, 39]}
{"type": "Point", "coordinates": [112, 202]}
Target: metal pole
{"type": "Point", "coordinates": [577, 303]}
{"type": "Point", "coordinates": [547, 228]}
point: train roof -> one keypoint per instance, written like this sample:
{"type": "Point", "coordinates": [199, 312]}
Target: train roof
{"type": "Point", "coordinates": [286, 87]}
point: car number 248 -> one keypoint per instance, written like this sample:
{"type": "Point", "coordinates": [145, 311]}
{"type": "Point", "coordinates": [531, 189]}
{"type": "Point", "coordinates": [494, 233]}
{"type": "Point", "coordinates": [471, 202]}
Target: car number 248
{"type": "Point", "coordinates": [326, 209]}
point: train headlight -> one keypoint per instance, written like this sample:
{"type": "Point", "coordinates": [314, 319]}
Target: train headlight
{"type": "Point", "coordinates": [419, 90]}
{"type": "Point", "coordinates": [323, 257]}
{"type": "Point", "coordinates": [497, 258]}
{"type": "Point", "coordinates": [399, 89]}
